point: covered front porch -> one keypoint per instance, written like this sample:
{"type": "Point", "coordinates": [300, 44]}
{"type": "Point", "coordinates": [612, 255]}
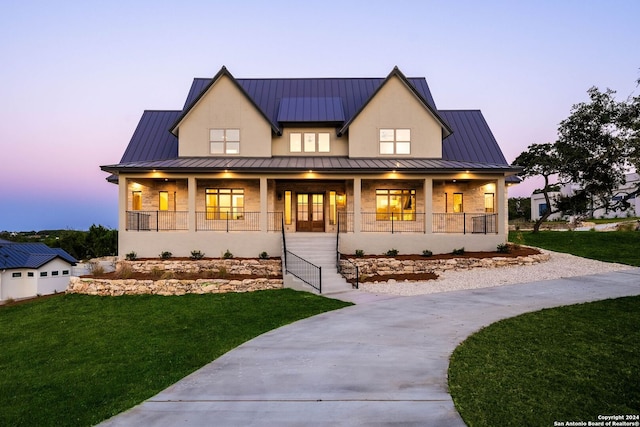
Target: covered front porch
{"type": "Point", "coordinates": [231, 210]}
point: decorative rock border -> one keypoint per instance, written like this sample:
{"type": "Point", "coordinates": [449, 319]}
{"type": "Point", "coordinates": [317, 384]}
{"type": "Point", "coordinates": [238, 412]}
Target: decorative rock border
{"type": "Point", "coordinates": [248, 266]}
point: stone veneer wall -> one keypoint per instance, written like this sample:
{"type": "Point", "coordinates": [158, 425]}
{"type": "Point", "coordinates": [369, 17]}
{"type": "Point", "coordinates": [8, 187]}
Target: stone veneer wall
{"type": "Point", "coordinates": [390, 266]}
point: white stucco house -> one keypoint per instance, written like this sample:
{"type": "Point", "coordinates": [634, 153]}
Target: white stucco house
{"type": "Point", "coordinates": [31, 269]}
{"type": "Point", "coordinates": [539, 205]}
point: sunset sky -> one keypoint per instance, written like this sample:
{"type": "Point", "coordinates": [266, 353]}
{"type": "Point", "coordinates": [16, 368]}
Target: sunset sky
{"type": "Point", "coordinates": [76, 76]}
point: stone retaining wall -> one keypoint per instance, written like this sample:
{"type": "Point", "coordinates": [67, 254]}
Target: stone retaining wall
{"type": "Point", "coordinates": [248, 266]}
{"type": "Point", "coordinates": [106, 287]}
{"type": "Point", "coordinates": [389, 266]}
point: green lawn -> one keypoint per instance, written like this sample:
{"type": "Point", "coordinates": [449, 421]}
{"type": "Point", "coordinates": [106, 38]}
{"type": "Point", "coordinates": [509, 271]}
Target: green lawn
{"type": "Point", "coordinates": [564, 364]}
{"type": "Point", "coordinates": [75, 360]}
{"type": "Point", "coordinates": [610, 246]}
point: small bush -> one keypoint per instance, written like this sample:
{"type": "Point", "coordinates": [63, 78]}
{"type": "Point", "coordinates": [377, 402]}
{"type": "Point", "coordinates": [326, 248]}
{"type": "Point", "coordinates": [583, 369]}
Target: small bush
{"type": "Point", "coordinates": [222, 273]}
{"type": "Point", "coordinates": [196, 255]}
{"type": "Point", "coordinates": [263, 255]}
{"type": "Point", "coordinates": [458, 251]}
{"type": "Point", "coordinates": [124, 272]}
{"type": "Point", "coordinates": [156, 272]}
{"type": "Point", "coordinates": [95, 268]}
{"type": "Point", "coordinates": [359, 253]}
{"type": "Point", "coordinates": [427, 253]}
{"type": "Point", "coordinates": [166, 255]}
{"type": "Point", "coordinates": [131, 256]}
{"type": "Point", "coordinates": [227, 255]}
{"type": "Point", "coordinates": [503, 248]}
{"type": "Point", "coordinates": [392, 252]}
{"type": "Point", "coordinates": [168, 275]}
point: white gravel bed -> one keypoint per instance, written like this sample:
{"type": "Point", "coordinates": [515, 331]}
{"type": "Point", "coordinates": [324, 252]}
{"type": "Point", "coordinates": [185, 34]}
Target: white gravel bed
{"type": "Point", "coordinates": [560, 265]}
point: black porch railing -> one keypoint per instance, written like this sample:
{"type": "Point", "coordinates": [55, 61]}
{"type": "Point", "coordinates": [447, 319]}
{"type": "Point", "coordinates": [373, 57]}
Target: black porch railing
{"type": "Point", "coordinates": [157, 220]}
{"type": "Point", "coordinates": [227, 221]}
{"type": "Point", "coordinates": [465, 223]}
{"type": "Point", "coordinates": [349, 271]}
{"type": "Point", "coordinates": [412, 222]}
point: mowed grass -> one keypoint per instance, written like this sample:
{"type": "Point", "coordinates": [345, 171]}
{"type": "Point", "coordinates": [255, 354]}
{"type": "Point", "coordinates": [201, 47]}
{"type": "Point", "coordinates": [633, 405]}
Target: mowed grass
{"type": "Point", "coordinates": [611, 246]}
{"type": "Point", "coordinates": [563, 364]}
{"type": "Point", "coordinates": [75, 360]}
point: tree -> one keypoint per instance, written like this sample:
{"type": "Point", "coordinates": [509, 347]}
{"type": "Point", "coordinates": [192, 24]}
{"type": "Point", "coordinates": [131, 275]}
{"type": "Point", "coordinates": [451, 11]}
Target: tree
{"type": "Point", "coordinates": [101, 241]}
{"type": "Point", "coordinates": [597, 144]}
{"type": "Point", "coordinates": [540, 160]}
{"type": "Point", "coordinates": [592, 145]}
{"type": "Point", "coordinates": [519, 207]}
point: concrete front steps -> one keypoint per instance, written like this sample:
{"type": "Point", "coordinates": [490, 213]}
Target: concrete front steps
{"type": "Point", "coordinates": [318, 249]}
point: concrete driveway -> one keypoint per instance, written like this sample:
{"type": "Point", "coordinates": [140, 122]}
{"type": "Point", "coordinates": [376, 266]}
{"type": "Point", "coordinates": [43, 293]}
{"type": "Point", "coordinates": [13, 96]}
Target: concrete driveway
{"type": "Point", "coordinates": [381, 362]}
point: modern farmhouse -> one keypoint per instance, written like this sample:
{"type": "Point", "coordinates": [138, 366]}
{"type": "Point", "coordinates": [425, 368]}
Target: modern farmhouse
{"type": "Point", "coordinates": [370, 161]}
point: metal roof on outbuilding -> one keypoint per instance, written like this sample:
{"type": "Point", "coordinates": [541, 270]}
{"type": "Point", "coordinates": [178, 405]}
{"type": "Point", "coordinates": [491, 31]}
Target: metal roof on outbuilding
{"type": "Point", "coordinates": [29, 255]}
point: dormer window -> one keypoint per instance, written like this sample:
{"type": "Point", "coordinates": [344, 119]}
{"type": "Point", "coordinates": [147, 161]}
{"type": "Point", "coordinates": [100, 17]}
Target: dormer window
{"type": "Point", "coordinates": [224, 141]}
{"type": "Point", "coordinates": [395, 141]}
{"type": "Point", "coordinates": [309, 142]}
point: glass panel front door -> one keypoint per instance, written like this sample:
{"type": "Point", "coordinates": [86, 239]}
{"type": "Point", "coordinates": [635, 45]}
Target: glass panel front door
{"type": "Point", "coordinates": [310, 212]}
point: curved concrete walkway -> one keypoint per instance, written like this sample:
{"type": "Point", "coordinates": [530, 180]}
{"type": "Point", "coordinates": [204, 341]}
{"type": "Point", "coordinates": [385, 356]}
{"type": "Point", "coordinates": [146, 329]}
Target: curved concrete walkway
{"type": "Point", "coordinates": [381, 362]}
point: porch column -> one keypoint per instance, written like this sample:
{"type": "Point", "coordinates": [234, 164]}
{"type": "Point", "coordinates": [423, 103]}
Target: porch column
{"type": "Point", "coordinates": [191, 202]}
{"type": "Point", "coordinates": [263, 206]}
{"type": "Point", "coordinates": [428, 205]}
{"type": "Point", "coordinates": [357, 205]}
{"type": "Point", "coordinates": [502, 209]}
{"type": "Point", "coordinates": [123, 205]}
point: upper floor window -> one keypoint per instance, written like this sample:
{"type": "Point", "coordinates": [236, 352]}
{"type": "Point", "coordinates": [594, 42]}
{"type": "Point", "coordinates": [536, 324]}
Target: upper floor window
{"type": "Point", "coordinates": [395, 141]}
{"type": "Point", "coordinates": [224, 141]}
{"type": "Point", "coordinates": [309, 142]}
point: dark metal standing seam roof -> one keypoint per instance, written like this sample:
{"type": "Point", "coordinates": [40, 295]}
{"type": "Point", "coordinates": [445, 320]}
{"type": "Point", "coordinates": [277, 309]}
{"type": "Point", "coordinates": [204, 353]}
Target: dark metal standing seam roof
{"type": "Point", "coordinates": [152, 140]}
{"type": "Point", "coordinates": [153, 146]}
{"type": "Point", "coordinates": [268, 93]}
{"type": "Point", "coordinates": [472, 139]}
{"type": "Point", "coordinates": [29, 255]}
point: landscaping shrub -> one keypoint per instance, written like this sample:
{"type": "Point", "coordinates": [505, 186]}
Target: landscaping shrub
{"type": "Point", "coordinates": [166, 255]}
{"type": "Point", "coordinates": [503, 248]}
{"type": "Point", "coordinates": [195, 255]}
{"type": "Point", "coordinates": [131, 256]}
{"type": "Point", "coordinates": [458, 251]}
{"type": "Point", "coordinates": [263, 255]}
{"type": "Point", "coordinates": [392, 252]}
{"type": "Point", "coordinates": [227, 255]}
{"type": "Point", "coordinates": [427, 253]}
{"type": "Point", "coordinates": [359, 253]}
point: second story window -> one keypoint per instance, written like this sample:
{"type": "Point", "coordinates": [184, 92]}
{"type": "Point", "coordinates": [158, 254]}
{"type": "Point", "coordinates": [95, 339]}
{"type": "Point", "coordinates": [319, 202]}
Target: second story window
{"type": "Point", "coordinates": [395, 141]}
{"type": "Point", "coordinates": [309, 142]}
{"type": "Point", "coordinates": [224, 141]}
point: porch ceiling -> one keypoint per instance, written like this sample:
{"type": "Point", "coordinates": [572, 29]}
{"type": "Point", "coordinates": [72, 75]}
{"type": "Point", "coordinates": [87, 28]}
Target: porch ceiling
{"type": "Point", "coordinates": [299, 164]}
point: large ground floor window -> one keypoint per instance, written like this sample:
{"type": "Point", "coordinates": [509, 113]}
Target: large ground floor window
{"type": "Point", "coordinates": [225, 203]}
{"type": "Point", "coordinates": [396, 205]}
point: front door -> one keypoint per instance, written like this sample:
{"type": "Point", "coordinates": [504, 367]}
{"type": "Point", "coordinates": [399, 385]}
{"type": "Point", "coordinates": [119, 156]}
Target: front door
{"type": "Point", "coordinates": [310, 212]}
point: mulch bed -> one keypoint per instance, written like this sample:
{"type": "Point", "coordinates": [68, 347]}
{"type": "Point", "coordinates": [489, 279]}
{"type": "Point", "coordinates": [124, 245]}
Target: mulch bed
{"type": "Point", "coordinates": [513, 253]}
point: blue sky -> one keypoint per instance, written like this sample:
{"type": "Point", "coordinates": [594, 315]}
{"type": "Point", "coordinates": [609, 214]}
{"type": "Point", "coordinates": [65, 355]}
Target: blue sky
{"type": "Point", "coordinates": [77, 75]}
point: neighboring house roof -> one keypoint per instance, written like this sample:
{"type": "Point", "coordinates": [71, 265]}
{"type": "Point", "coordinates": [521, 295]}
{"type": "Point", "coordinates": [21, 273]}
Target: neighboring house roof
{"type": "Point", "coordinates": [29, 255]}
